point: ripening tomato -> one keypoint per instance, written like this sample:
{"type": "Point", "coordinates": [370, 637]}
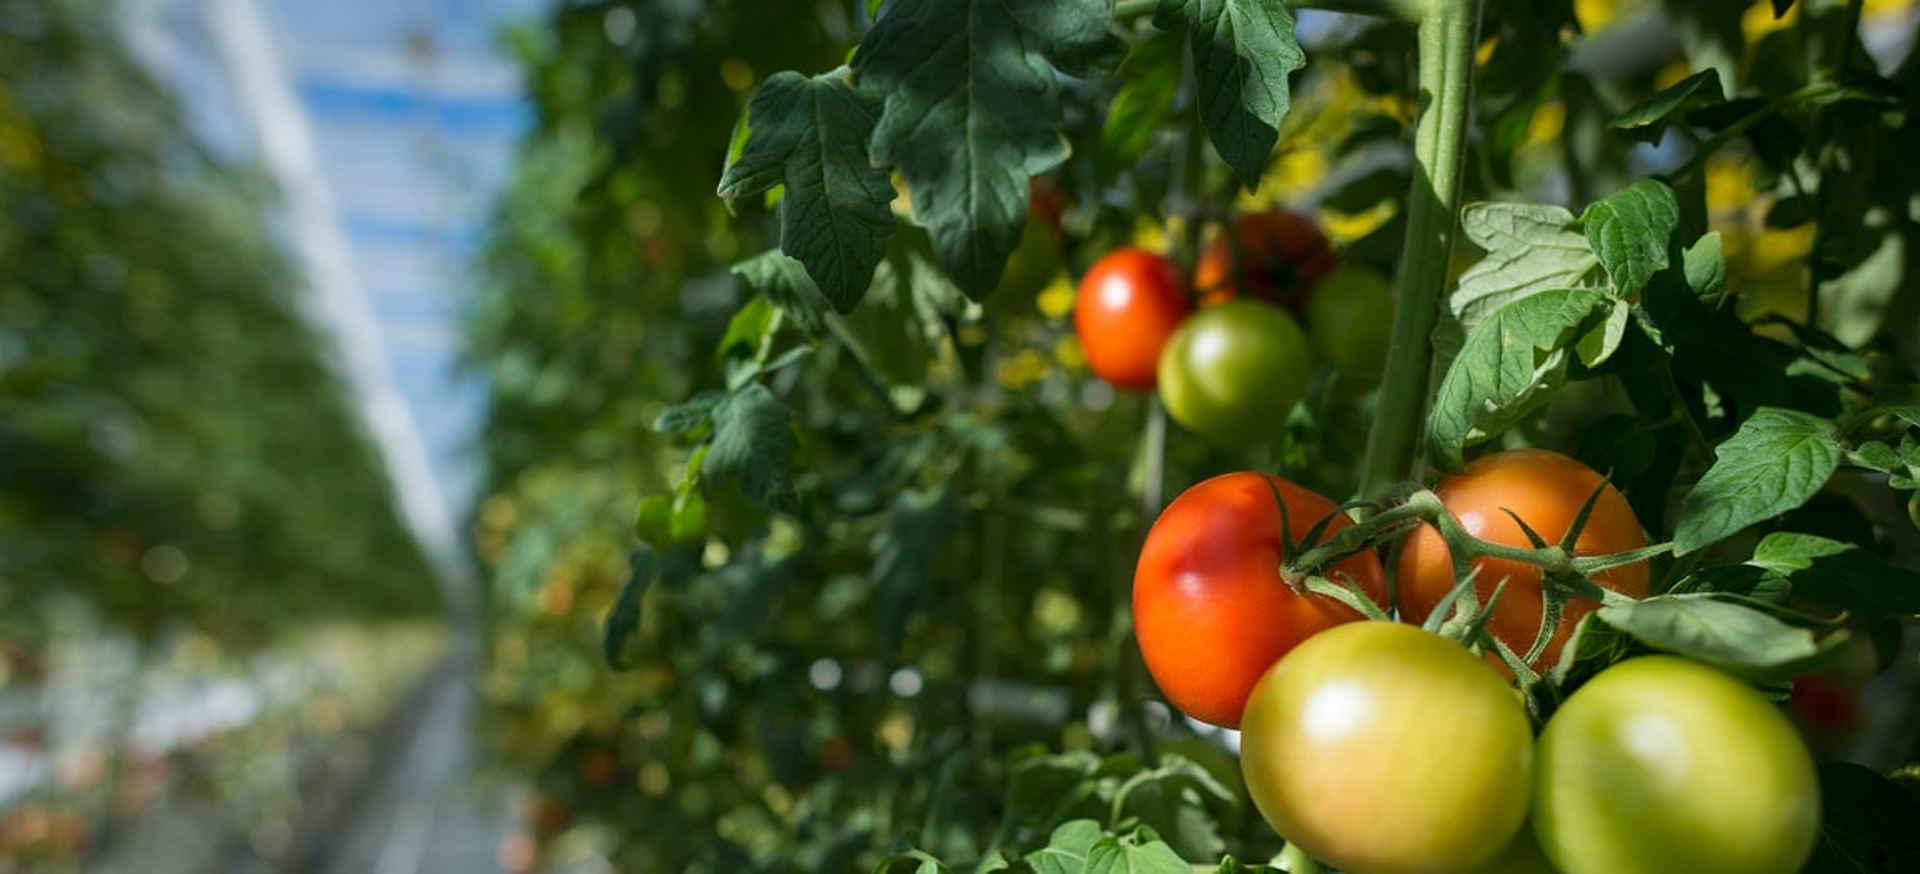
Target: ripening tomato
{"type": "Point", "coordinates": [1232, 372]}
{"type": "Point", "coordinates": [1276, 256]}
{"type": "Point", "coordinates": [1350, 317]}
{"type": "Point", "coordinates": [1663, 765]}
{"type": "Point", "coordinates": [1210, 608]}
{"type": "Point", "coordinates": [1546, 489]}
{"type": "Point", "coordinates": [1381, 748]}
{"type": "Point", "coordinates": [1130, 302]}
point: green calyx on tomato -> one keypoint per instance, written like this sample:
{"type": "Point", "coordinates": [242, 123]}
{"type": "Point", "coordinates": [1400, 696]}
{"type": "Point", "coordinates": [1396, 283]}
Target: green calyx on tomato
{"type": "Point", "coordinates": [1381, 749]}
{"type": "Point", "coordinates": [1350, 317]}
{"type": "Point", "coordinates": [1659, 764]}
{"type": "Point", "coordinates": [1546, 490]}
{"type": "Point", "coordinates": [1129, 304]}
{"type": "Point", "coordinates": [1232, 372]}
{"type": "Point", "coordinates": [1211, 610]}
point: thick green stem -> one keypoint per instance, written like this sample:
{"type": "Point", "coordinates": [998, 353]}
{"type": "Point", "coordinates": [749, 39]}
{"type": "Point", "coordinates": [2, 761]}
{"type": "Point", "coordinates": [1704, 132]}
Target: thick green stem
{"type": "Point", "coordinates": [1447, 33]}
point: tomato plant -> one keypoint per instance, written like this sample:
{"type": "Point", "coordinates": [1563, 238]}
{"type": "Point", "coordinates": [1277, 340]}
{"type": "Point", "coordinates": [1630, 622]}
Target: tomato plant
{"type": "Point", "coordinates": [1129, 305]}
{"type": "Point", "coordinates": [899, 638]}
{"type": "Point", "coordinates": [1231, 372]}
{"type": "Point", "coordinates": [1491, 499]}
{"type": "Point", "coordinates": [1661, 764]}
{"type": "Point", "coordinates": [1211, 570]}
{"type": "Point", "coordinates": [1278, 256]}
{"type": "Point", "coordinates": [1380, 747]}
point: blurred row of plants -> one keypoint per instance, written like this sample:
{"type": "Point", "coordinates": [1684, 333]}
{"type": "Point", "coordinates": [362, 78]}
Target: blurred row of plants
{"type": "Point", "coordinates": [175, 448]}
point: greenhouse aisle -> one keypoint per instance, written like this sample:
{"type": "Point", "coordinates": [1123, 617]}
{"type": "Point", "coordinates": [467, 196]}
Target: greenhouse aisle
{"type": "Point", "coordinates": [430, 814]}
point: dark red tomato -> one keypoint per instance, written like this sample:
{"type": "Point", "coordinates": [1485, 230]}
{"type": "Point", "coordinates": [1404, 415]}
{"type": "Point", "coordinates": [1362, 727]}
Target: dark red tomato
{"type": "Point", "coordinates": [1210, 608]}
{"type": "Point", "coordinates": [1546, 489]}
{"type": "Point", "coordinates": [1275, 256]}
{"type": "Point", "coordinates": [1046, 203]}
{"type": "Point", "coordinates": [1130, 302]}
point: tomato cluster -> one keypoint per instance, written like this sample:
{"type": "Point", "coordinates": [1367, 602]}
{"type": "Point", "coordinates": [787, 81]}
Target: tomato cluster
{"type": "Point", "coordinates": [1381, 747]}
{"type": "Point", "coordinates": [1233, 369]}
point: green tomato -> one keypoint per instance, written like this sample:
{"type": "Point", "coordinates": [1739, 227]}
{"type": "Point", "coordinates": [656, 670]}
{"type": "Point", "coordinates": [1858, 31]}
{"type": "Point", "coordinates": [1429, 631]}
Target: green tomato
{"type": "Point", "coordinates": [1663, 765]}
{"type": "Point", "coordinates": [1382, 748]}
{"type": "Point", "coordinates": [1232, 372]}
{"type": "Point", "coordinates": [1350, 317]}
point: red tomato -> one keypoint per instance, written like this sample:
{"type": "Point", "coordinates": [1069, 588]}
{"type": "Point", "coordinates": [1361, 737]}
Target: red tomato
{"type": "Point", "coordinates": [1281, 256]}
{"type": "Point", "coordinates": [1210, 608]}
{"type": "Point", "coordinates": [1129, 304]}
{"type": "Point", "coordinates": [1546, 489]}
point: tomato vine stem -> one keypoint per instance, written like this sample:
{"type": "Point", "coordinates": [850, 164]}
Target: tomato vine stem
{"type": "Point", "coordinates": [1446, 37]}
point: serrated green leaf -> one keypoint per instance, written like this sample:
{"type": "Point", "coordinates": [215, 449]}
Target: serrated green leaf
{"type": "Point", "coordinates": [746, 328]}
{"type": "Point", "coordinates": [1530, 248]}
{"type": "Point", "coordinates": [1508, 367]}
{"type": "Point", "coordinates": [1902, 401]}
{"type": "Point", "coordinates": [1067, 849]}
{"type": "Point", "coordinates": [1839, 575]}
{"type": "Point", "coordinates": [811, 135]}
{"type": "Point", "coordinates": [1647, 121]}
{"type": "Point", "coordinates": [1733, 637]}
{"type": "Point", "coordinates": [688, 414]}
{"type": "Point", "coordinates": [623, 619]}
{"type": "Point", "coordinates": [784, 281]}
{"type": "Point", "coordinates": [1599, 342]}
{"type": "Point", "coordinates": [1243, 52]}
{"type": "Point", "coordinates": [1111, 855]}
{"type": "Point", "coordinates": [1629, 232]}
{"type": "Point", "coordinates": [1878, 456]}
{"type": "Point", "coordinates": [1142, 105]}
{"type": "Point", "coordinates": [972, 112]}
{"type": "Point", "coordinates": [1705, 266]}
{"type": "Point", "coordinates": [1774, 463]}
{"type": "Point", "coordinates": [1745, 580]}
{"type": "Point", "coordinates": [753, 445]}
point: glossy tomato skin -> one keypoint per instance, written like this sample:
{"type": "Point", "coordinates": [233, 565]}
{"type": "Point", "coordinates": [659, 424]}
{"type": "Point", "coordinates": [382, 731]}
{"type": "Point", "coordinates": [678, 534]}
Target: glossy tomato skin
{"type": "Point", "coordinates": [1210, 609]}
{"type": "Point", "coordinates": [1232, 372]}
{"type": "Point", "coordinates": [1276, 256]}
{"type": "Point", "coordinates": [1663, 765]}
{"type": "Point", "coordinates": [1130, 302]}
{"type": "Point", "coordinates": [1381, 749]}
{"type": "Point", "coordinates": [1350, 318]}
{"type": "Point", "coordinates": [1546, 489]}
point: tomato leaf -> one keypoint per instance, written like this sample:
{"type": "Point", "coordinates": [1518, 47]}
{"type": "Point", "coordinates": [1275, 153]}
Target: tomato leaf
{"type": "Point", "coordinates": [688, 414]}
{"type": "Point", "coordinates": [1530, 248]}
{"type": "Point", "coordinates": [1067, 851]}
{"type": "Point", "coordinates": [1140, 853]}
{"type": "Point", "coordinates": [1508, 367]}
{"type": "Point", "coordinates": [1866, 823]}
{"type": "Point", "coordinates": [1598, 344]}
{"type": "Point", "coordinates": [1243, 52]}
{"type": "Point", "coordinates": [785, 283]}
{"type": "Point", "coordinates": [810, 134]}
{"type": "Point", "coordinates": [1736, 638]}
{"type": "Point", "coordinates": [1774, 463]}
{"type": "Point", "coordinates": [623, 620]}
{"type": "Point", "coordinates": [1647, 121]}
{"type": "Point", "coordinates": [1141, 105]}
{"type": "Point", "coordinates": [971, 111]}
{"type": "Point", "coordinates": [1629, 232]}
{"type": "Point", "coordinates": [753, 444]}
{"type": "Point", "coordinates": [1839, 575]}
